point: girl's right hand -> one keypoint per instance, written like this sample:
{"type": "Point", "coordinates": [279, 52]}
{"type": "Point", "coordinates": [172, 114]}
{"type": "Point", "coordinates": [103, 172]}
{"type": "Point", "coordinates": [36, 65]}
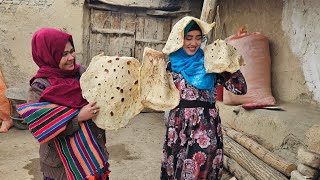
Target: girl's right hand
{"type": "Point", "coordinates": [88, 111]}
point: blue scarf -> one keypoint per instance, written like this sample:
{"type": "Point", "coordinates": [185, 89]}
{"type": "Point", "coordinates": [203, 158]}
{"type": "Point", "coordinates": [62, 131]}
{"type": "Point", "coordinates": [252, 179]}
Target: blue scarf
{"type": "Point", "coordinates": [192, 69]}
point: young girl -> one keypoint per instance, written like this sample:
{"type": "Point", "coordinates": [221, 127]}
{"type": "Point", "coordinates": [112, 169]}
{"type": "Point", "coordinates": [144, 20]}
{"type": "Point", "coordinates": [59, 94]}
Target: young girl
{"type": "Point", "coordinates": [193, 147]}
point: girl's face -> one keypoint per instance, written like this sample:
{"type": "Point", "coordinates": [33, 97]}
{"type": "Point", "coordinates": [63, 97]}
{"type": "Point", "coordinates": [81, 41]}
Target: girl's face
{"type": "Point", "coordinates": [192, 42]}
{"type": "Point", "coordinates": [68, 59]}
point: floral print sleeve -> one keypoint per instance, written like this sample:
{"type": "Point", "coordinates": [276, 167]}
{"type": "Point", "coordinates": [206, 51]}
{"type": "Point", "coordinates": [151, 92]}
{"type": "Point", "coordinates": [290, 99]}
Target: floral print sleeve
{"type": "Point", "coordinates": [234, 82]}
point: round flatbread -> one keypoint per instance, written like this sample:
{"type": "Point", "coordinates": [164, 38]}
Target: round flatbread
{"type": "Point", "coordinates": [113, 82]}
{"type": "Point", "coordinates": [158, 91]}
{"type": "Point", "coordinates": [221, 57]}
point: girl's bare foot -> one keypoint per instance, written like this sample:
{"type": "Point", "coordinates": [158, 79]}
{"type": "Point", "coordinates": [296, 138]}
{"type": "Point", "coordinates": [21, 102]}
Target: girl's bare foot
{"type": "Point", "coordinates": [6, 125]}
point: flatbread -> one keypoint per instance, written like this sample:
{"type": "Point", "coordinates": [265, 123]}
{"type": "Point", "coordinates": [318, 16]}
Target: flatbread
{"type": "Point", "coordinates": [176, 37]}
{"type": "Point", "coordinates": [158, 91]}
{"type": "Point", "coordinates": [113, 82]}
{"type": "Point", "coordinates": [221, 57]}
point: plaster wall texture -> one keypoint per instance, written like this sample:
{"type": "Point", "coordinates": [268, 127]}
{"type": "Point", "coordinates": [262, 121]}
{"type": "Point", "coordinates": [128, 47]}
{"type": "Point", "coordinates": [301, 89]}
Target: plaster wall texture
{"type": "Point", "coordinates": [301, 25]}
{"type": "Point", "coordinates": [20, 19]}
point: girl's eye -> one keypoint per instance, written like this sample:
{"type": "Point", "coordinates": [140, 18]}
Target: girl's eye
{"type": "Point", "coordinates": [65, 53]}
{"type": "Point", "coordinates": [72, 51]}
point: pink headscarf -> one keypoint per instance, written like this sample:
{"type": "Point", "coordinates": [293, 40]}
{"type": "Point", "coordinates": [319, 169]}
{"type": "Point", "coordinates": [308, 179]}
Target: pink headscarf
{"type": "Point", "coordinates": [47, 50]}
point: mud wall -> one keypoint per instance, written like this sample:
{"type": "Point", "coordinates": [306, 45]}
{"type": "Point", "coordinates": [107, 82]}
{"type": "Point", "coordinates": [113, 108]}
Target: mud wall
{"type": "Point", "coordinates": [19, 19]}
{"type": "Point", "coordinates": [293, 30]}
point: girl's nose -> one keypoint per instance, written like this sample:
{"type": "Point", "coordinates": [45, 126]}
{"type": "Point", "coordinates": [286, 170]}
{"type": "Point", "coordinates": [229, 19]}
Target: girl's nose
{"type": "Point", "coordinates": [194, 42]}
{"type": "Point", "coordinates": [71, 58]}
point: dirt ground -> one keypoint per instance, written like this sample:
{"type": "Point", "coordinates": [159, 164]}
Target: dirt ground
{"type": "Point", "coordinates": [135, 151]}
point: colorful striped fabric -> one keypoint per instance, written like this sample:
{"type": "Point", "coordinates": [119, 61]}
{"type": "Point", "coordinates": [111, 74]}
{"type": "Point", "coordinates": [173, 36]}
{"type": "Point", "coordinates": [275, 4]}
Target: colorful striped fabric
{"type": "Point", "coordinates": [79, 153]}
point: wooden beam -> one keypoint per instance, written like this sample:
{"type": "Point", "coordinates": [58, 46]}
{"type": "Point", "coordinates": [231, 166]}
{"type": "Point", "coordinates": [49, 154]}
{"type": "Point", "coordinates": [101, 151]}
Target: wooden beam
{"type": "Point", "coordinates": [103, 7]}
{"type": "Point", "coordinates": [235, 169]}
{"type": "Point", "coordinates": [208, 13]}
{"type": "Point", "coordinates": [166, 13]}
{"type": "Point", "coordinates": [265, 155]}
{"type": "Point", "coordinates": [112, 31]}
{"type": "Point", "coordinates": [208, 10]}
{"type": "Point", "coordinates": [257, 168]}
{"type": "Point", "coordinates": [150, 41]}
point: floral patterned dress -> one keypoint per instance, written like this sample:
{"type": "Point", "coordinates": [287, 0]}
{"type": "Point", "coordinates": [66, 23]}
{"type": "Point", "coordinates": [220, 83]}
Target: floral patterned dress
{"type": "Point", "coordinates": [193, 147]}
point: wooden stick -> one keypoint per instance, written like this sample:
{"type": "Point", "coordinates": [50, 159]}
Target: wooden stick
{"type": "Point", "coordinates": [208, 10]}
{"type": "Point", "coordinates": [235, 169]}
{"type": "Point", "coordinates": [257, 168]}
{"type": "Point", "coordinates": [208, 13]}
{"type": "Point", "coordinates": [265, 155]}
{"type": "Point", "coordinates": [309, 158]}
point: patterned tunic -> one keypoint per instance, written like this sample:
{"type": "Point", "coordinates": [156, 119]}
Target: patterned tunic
{"type": "Point", "coordinates": [193, 148]}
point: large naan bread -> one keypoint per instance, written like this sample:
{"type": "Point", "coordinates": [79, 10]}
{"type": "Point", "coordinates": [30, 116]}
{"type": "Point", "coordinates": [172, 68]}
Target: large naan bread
{"type": "Point", "coordinates": [158, 91]}
{"type": "Point", "coordinates": [113, 82]}
{"type": "Point", "coordinates": [176, 37]}
{"type": "Point", "coordinates": [221, 57]}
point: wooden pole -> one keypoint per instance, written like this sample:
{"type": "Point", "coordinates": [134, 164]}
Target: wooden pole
{"type": "Point", "coordinates": [208, 13]}
{"type": "Point", "coordinates": [209, 10]}
{"type": "Point", "coordinates": [257, 168]}
{"type": "Point", "coordinates": [265, 155]}
{"type": "Point", "coordinates": [235, 169]}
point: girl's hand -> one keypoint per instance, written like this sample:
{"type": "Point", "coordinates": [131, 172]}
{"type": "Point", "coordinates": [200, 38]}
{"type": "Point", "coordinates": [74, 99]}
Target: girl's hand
{"type": "Point", "coordinates": [88, 111]}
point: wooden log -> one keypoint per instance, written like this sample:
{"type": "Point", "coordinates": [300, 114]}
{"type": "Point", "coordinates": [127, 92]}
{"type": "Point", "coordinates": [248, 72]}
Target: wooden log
{"type": "Point", "coordinates": [265, 155]}
{"type": "Point", "coordinates": [208, 13]}
{"type": "Point", "coordinates": [257, 168]}
{"type": "Point", "coordinates": [235, 169]}
{"type": "Point", "coordinates": [309, 158]}
{"type": "Point", "coordinates": [295, 175]}
{"type": "Point", "coordinates": [167, 13]}
{"type": "Point", "coordinates": [112, 31]}
{"type": "Point", "coordinates": [208, 10]}
{"type": "Point", "coordinates": [307, 171]}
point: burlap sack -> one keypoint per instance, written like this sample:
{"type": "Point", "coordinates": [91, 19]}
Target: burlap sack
{"type": "Point", "coordinates": [254, 48]}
